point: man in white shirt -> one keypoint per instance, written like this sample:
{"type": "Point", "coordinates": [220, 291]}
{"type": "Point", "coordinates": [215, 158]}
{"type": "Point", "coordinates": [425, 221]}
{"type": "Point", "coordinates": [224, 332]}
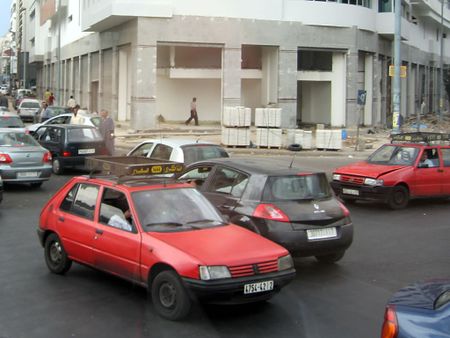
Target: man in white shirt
{"type": "Point", "coordinates": [76, 119]}
{"type": "Point", "coordinates": [71, 103]}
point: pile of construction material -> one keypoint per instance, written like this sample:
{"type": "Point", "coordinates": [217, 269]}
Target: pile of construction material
{"type": "Point", "coordinates": [268, 127]}
{"type": "Point", "coordinates": [236, 122]}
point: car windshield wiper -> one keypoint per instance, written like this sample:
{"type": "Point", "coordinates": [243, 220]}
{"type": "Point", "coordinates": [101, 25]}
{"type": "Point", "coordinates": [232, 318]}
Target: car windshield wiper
{"type": "Point", "coordinates": [204, 221]}
{"type": "Point", "coordinates": [170, 224]}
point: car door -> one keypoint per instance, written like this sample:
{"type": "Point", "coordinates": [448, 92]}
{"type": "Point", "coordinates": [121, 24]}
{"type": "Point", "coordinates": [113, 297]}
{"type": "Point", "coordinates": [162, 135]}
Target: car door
{"type": "Point", "coordinates": [75, 221]}
{"type": "Point", "coordinates": [117, 243]}
{"type": "Point", "coordinates": [224, 189]}
{"type": "Point", "coordinates": [51, 137]}
{"type": "Point", "coordinates": [445, 161]}
{"type": "Point", "coordinates": [427, 180]}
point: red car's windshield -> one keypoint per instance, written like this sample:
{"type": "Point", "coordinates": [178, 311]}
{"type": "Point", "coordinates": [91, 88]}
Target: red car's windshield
{"type": "Point", "coordinates": [394, 155]}
{"type": "Point", "coordinates": [169, 210]}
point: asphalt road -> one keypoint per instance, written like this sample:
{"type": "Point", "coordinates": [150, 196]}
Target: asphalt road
{"type": "Point", "coordinates": [390, 250]}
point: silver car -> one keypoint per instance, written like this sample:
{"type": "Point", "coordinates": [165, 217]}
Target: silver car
{"type": "Point", "coordinates": [28, 109]}
{"type": "Point", "coordinates": [22, 159]}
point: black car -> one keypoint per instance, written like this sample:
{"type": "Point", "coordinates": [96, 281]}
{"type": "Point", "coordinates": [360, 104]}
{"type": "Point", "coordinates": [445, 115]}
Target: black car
{"type": "Point", "coordinates": [293, 207]}
{"type": "Point", "coordinates": [70, 144]}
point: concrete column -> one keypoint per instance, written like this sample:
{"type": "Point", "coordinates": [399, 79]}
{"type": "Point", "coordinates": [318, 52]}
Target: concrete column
{"type": "Point", "coordinates": [63, 99]}
{"type": "Point", "coordinates": [89, 56]}
{"type": "Point", "coordinates": [115, 63]}
{"type": "Point", "coordinates": [231, 76]}
{"type": "Point", "coordinates": [79, 97]}
{"type": "Point", "coordinates": [286, 95]}
{"type": "Point", "coordinates": [143, 88]}
{"type": "Point", "coordinates": [368, 87]}
{"type": "Point", "coordinates": [100, 80]}
{"type": "Point", "coordinates": [377, 81]}
{"type": "Point", "coordinates": [404, 95]}
{"type": "Point", "coordinates": [411, 80]}
{"type": "Point", "coordinates": [350, 113]}
{"type": "Point", "coordinates": [72, 80]}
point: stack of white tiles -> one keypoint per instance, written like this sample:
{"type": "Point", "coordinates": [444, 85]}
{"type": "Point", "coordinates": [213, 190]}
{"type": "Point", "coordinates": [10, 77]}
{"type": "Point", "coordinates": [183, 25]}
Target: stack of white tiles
{"type": "Point", "coordinates": [329, 139]}
{"type": "Point", "coordinates": [268, 127]}
{"type": "Point", "coordinates": [304, 138]}
{"type": "Point", "coordinates": [236, 123]}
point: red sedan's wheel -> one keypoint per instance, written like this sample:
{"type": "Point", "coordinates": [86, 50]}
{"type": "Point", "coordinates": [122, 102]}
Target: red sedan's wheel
{"type": "Point", "coordinates": [55, 255]}
{"type": "Point", "coordinates": [399, 198]}
{"type": "Point", "coordinates": [169, 296]}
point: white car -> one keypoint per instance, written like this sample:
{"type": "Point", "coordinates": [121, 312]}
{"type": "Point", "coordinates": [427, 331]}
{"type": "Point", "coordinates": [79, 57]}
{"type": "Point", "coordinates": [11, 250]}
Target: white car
{"type": "Point", "coordinates": [179, 150]}
{"type": "Point", "coordinates": [4, 90]}
{"type": "Point", "coordinates": [87, 119]}
{"type": "Point", "coordinates": [28, 109]}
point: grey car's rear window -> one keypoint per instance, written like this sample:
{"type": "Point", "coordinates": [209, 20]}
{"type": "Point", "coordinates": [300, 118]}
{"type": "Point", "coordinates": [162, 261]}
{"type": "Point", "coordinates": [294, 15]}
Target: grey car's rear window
{"type": "Point", "coordinates": [297, 187]}
{"type": "Point", "coordinates": [16, 139]}
{"type": "Point", "coordinates": [83, 135]}
{"type": "Point", "coordinates": [194, 153]}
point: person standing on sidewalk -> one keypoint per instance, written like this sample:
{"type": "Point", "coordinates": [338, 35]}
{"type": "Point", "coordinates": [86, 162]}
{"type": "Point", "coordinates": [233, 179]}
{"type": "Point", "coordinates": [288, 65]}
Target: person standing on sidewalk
{"type": "Point", "coordinates": [106, 129]}
{"type": "Point", "coordinates": [194, 115]}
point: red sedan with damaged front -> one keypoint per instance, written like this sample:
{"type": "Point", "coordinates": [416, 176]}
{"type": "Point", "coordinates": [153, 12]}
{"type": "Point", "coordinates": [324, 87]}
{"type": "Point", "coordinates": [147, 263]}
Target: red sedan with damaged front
{"type": "Point", "coordinates": [163, 235]}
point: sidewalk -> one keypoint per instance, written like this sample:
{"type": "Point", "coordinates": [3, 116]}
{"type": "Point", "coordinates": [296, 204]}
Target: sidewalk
{"type": "Point", "coordinates": [126, 139]}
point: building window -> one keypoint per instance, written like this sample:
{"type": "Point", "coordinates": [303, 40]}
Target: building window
{"type": "Point", "coordinates": [385, 6]}
{"type": "Point", "coordinates": [311, 60]}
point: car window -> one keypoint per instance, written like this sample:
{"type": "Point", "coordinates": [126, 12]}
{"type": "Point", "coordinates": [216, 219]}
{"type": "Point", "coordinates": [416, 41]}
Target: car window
{"type": "Point", "coordinates": [81, 200]}
{"type": "Point", "coordinates": [11, 122]}
{"type": "Point", "coordinates": [446, 156]}
{"type": "Point", "coordinates": [296, 187]}
{"type": "Point", "coordinates": [115, 210]}
{"type": "Point", "coordinates": [195, 153]}
{"type": "Point", "coordinates": [162, 152]}
{"type": "Point", "coordinates": [30, 104]}
{"type": "Point", "coordinates": [197, 175]}
{"type": "Point", "coordinates": [96, 121]}
{"type": "Point", "coordinates": [164, 210]}
{"type": "Point", "coordinates": [394, 155]}
{"type": "Point", "coordinates": [83, 134]}
{"type": "Point", "coordinates": [142, 150]}
{"type": "Point", "coordinates": [227, 181]}
{"type": "Point", "coordinates": [15, 139]}
{"type": "Point", "coordinates": [52, 134]}
{"type": "Point", "coordinates": [59, 120]}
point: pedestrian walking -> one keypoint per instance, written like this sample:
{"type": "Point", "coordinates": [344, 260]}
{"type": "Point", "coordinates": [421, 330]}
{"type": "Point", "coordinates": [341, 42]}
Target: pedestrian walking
{"type": "Point", "coordinates": [76, 119]}
{"type": "Point", "coordinates": [51, 99]}
{"type": "Point", "coordinates": [71, 103]}
{"type": "Point", "coordinates": [47, 95]}
{"type": "Point", "coordinates": [106, 129]}
{"type": "Point", "coordinates": [194, 115]}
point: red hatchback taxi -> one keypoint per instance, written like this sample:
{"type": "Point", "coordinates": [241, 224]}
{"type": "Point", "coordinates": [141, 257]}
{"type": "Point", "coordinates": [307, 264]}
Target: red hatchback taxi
{"type": "Point", "coordinates": [414, 165]}
{"type": "Point", "coordinates": [161, 234]}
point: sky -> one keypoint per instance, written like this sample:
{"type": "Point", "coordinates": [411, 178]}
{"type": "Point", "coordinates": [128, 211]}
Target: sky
{"type": "Point", "coordinates": [5, 15]}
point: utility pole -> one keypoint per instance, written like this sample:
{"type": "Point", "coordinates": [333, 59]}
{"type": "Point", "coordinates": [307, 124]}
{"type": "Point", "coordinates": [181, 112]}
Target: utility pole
{"type": "Point", "coordinates": [24, 45]}
{"type": "Point", "coordinates": [397, 62]}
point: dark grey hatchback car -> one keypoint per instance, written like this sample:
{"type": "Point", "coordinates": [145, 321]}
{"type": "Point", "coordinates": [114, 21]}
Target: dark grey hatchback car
{"type": "Point", "coordinates": [293, 207]}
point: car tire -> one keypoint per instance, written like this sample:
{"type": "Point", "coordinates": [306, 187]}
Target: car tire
{"type": "Point", "coordinates": [169, 296]}
{"type": "Point", "coordinates": [57, 168]}
{"type": "Point", "coordinates": [398, 198]}
{"type": "Point", "coordinates": [36, 185]}
{"type": "Point", "coordinates": [330, 258]}
{"type": "Point", "coordinates": [55, 256]}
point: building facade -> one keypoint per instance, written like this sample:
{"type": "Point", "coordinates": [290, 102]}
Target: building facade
{"type": "Point", "coordinates": [145, 58]}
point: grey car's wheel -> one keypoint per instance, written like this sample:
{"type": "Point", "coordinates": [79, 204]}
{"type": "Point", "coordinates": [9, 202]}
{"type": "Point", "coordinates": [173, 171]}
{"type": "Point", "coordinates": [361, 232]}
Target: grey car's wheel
{"type": "Point", "coordinates": [169, 296]}
{"type": "Point", "coordinates": [330, 258]}
{"type": "Point", "coordinates": [399, 198]}
{"type": "Point", "coordinates": [55, 255]}
{"type": "Point", "coordinates": [57, 167]}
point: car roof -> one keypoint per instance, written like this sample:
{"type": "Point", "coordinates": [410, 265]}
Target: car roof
{"type": "Point", "coordinates": [69, 126]}
{"type": "Point", "coordinates": [8, 114]}
{"type": "Point", "coordinates": [261, 166]}
{"type": "Point", "coordinates": [30, 100]}
{"type": "Point", "coordinates": [173, 142]}
{"type": "Point", "coordinates": [13, 130]}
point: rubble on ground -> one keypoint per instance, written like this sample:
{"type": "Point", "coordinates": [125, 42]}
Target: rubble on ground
{"type": "Point", "coordinates": [431, 122]}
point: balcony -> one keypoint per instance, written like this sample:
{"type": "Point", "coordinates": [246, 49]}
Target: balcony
{"type": "Point", "coordinates": [102, 15]}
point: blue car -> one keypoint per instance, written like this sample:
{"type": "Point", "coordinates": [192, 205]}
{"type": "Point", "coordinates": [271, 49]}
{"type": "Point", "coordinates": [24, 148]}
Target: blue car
{"type": "Point", "coordinates": [420, 310]}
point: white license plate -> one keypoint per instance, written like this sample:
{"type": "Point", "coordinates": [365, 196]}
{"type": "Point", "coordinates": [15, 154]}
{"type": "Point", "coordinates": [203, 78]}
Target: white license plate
{"type": "Point", "coordinates": [321, 233]}
{"type": "Point", "coordinates": [86, 151]}
{"type": "Point", "coordinates": [353, 192]}
{"type": "Point", "coordinates": [258, 287]}
{"type": "Point", "coordinates": [27, 174]}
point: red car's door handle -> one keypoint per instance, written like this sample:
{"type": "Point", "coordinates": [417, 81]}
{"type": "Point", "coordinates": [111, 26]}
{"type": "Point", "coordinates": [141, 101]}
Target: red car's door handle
{"type": "Point", "coordinates": [61, 218]}
{"type": "Point", "coordinates": [98, 231]}
{"type": "Point", "coordinates": [440, 170]}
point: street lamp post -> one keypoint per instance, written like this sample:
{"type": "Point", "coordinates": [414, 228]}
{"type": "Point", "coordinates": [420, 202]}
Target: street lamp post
{"type": "Point", "coordinates": [24, 46]}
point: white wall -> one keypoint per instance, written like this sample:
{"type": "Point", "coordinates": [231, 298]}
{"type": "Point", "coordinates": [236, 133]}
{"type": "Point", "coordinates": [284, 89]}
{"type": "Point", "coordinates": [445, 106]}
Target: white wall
{"type": "Point", "coordinates": [316, 105]}
{"type": "Point", "coordinates": [175, 95]}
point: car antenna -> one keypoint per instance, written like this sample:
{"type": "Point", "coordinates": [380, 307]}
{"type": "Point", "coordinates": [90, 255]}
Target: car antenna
{"type": "Point", "coordinates": [292, 162]}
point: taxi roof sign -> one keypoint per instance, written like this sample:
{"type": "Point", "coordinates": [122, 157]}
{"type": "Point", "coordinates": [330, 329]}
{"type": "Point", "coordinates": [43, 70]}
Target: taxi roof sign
{"type": "Point", "coordinates": [132, 165]}
{"type": "Point", "coordinates": [420, 137]}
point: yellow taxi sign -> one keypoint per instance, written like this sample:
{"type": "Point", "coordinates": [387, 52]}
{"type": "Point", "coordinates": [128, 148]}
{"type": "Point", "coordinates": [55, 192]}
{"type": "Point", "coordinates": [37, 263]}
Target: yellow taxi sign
{"type": "Point", "coordinates": [402, 71]}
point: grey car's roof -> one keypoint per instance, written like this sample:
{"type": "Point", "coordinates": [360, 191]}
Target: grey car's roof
{"type": "Point", "coordinates": [173, 142]}
{"type": "Point", "coordinates": [262, 166]}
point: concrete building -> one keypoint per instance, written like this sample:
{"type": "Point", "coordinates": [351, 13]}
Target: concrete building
{"type": "Point", "coordinates": [145, 58]}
